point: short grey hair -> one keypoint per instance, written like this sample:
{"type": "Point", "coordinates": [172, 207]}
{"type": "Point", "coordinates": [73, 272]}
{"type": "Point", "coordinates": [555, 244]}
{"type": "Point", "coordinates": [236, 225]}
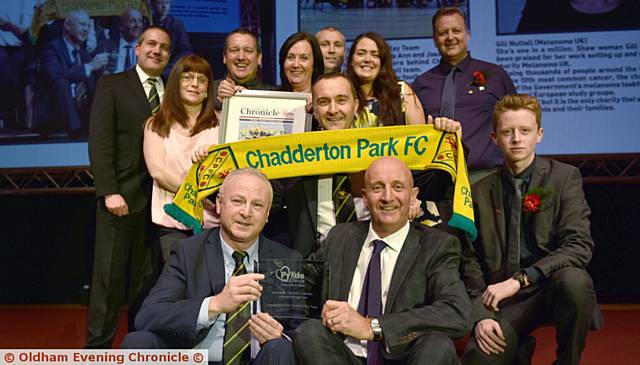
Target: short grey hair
{"type": "Point", "coordinates": [247, 171]}
{"type": "Point", "coordinates": [75, 16]}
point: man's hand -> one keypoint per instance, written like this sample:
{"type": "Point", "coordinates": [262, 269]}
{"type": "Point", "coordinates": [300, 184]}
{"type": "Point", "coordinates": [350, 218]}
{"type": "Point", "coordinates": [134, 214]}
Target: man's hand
{"type": "Point", "coordinates": [239, 290]}
{"type": "Point", "coordinates": [489, 337]}
{"type": "Point", "coordinates": [445, 124]}
{"type": "Point", "coordinates": [200, 152]}
{"type": "Point", "coordinates": [496, 293]}
{"type": "Point", "coordinates": [116, 205]}
{"type": "Point", "coordinates": [265, 328]}
{"type": "Point", "coordinates": [99, 61]}
{"type": "Point", "coordinates": [228, 88]}
{"type": "Point", "coordinates": [340, 317]}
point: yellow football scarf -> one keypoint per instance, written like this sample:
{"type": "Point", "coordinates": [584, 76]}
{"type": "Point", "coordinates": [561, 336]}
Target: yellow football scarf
{"type": "Point", "coordinates": [328, 152]}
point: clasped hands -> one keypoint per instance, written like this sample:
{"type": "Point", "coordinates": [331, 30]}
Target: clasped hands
{"type": "Point", "coordinates": [339, 317]}
{"type": "Point", "coordinates": [239, 290]}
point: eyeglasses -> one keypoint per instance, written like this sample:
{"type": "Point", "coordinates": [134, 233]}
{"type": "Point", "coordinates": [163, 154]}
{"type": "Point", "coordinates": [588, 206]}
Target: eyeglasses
{"type": "Point", "coordinates": [188, 78]}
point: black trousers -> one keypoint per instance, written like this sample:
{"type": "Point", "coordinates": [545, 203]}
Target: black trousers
{"type": "Point", "coordinates": [122, 273]}
{"type": "Point", "coordinates": [315, 344]}
{"type": "Point", "coordinates": [566, 299]}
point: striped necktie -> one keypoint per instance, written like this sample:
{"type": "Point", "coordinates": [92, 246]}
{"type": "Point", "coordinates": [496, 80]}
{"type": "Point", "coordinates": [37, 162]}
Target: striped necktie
{"type": "Point", "coordinates": [154, 98]}
{"type": "Point", "coordinates": [237, 336]}
{"type": "Point", "coordinates": [343, 200]}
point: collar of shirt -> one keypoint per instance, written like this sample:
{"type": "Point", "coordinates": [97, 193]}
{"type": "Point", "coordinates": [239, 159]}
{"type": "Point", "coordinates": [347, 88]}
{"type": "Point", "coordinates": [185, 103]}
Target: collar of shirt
{"type": "Point", "coordinates": [227, 251]}
{"type": "Point", "coordinates": [143, 76]}
{"type": "Point", "coordinates": [524, 175]}
{"type": "Point", "coordinates": [394, 240]}
{"type": "Point", "coordinates": [462, 66]}
{"type": "Point", "coordinates": [250, 83]}
{"type": "Point", "coordinates": [70, 48]}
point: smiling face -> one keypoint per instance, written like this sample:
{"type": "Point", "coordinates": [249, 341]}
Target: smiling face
{"type": "Point", "coordinates": [298, 66]}
{"type": "Point", "coordinates": [334, 103]}
{"type": "Point", "coordinates": [517, 135]}
{"type": "Point", "coordinates": [193, 88]}
{"type": "Point", "coordinates": [153, 51]}
{"type": "Point", "coordinates": [241, 57]}
{"type": "Point", "coordinates": [331, 44]}
{"type": "Point", "coordinates": [366, 60]}
{"type": "Point", "coordinates": [243, 205]}
{"type": "Point", "coordinates": [388, 192]}
{"type": "Point", "coordinates": [77, 27]}
{"type": "Point", "coordinates": [131, 25]}
{"type": "Point", "coordinates": [451, 37]}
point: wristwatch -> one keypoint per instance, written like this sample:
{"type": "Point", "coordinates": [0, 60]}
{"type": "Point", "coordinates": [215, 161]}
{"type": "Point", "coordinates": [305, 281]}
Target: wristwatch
{"type": "Point", "coordinates": [521, 277]}
{"type": "Point", "coordinates": [376, 329]}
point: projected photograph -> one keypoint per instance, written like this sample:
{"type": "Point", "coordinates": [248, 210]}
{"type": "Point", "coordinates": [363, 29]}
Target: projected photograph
{"type": "Point", "coordinates": [559, 16]}
{"type": "Point", "coordinates": [52, 53]}
{"type": "Point", "coordinates": [403, 19]}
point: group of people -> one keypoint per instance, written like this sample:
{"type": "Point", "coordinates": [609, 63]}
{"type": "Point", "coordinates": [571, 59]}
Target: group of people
{"type": "Point", "coordinates": [399, 291]}
{"type": "Point", "coordinates": [53, 73]}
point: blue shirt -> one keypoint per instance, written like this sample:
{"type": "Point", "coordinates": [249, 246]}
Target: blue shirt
{"type": "Point", "coordinates": [474, 105]}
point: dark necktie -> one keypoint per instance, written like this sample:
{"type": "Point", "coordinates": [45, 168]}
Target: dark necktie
{"type": "Point", "coordinates": [154, 98]}
{"type": "Point", "coordinates": [344, 206]}
{"type": "Point", "coordinates": [448, 97]}
{"type": "Point", "coordinates": [371, 300]}
{"type": "Point", "coordinates": [79, 88]}
{"type": "Point", "coordinates": [513, 251]}
{"type": "Point", "coordinates": [76, 57]}
{"type": "Point", "coordinates": [127, 57]}
{"type": "Point", "coordinates": [237, 336]}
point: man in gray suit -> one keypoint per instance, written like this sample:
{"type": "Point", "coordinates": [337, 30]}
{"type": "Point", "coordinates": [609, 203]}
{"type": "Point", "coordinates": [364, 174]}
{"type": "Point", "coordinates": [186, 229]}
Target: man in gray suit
{"type": "Point", "coordinates": [393, 294]}
{"type": "Point", "coordinates": [528, 265]}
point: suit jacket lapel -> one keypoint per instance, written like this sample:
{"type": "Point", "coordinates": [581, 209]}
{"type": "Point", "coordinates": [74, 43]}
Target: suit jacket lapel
{"type": "Point", "coordinates": [538, 179]}
{"type": "Point", "coordinates": [408, 253]}
{"type": "Point", "coordinates": [352, 247]}
{"type": "Point", "coordinates": [498, 211]}
{"type": "Point", "coordinates": [215, 261]}
{"type": "Point", "coordinates": [140, 95]}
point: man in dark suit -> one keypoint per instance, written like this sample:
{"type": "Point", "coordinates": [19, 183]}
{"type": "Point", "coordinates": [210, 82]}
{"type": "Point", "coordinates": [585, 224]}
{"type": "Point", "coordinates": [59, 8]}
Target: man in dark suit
{"type": "Point", "coordinates": [314, 203]}
{"type": "Point", "coordinates": [528, 265]}
{"type": "Point", "coordinates": [394, 294]}
{"type": "Point", "coordinates": [242, 56]}
{"type": "Point", "coordinates": [202, 295]}
{"type": "Point", "coordinates": [123, 102]}
{"type": "Point", "coordinates": [68, 77]}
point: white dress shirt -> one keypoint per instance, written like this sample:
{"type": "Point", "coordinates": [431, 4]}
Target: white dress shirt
{"type": "Point", "coordinates": [147, 88]}
{"type": "Point", "coordinates": [388, 259]}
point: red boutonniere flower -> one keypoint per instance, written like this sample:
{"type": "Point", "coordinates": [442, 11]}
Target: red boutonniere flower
{"type": "Point", "coordinates": [533, 199]}
{"type": "Point", "coordinates": [479, 80]}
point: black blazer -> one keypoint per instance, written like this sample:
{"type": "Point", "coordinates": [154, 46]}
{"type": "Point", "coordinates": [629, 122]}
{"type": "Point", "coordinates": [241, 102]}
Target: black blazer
{"type": "Point", "coordinates": [194, 271]}
{"type": "Point", "coordinates": [561, 229]}
{"type": "Point", "coordinates": [119, 111]}
{"type": "Point", "coordinates": [425, 293]}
